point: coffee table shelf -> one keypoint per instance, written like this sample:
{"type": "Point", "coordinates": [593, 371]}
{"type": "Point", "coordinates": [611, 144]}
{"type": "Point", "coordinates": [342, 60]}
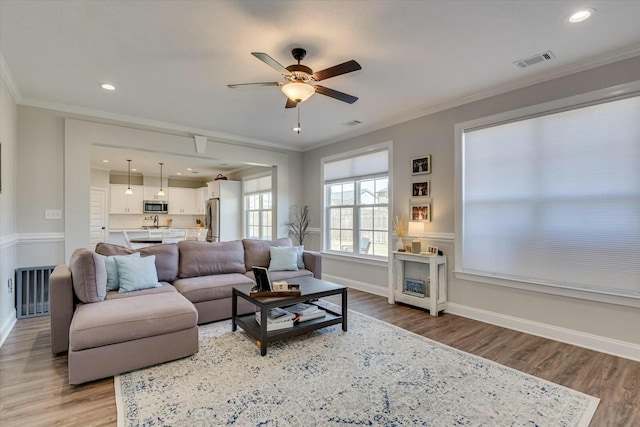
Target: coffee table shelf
{"type": "Point", "coordinates": [311, 288]}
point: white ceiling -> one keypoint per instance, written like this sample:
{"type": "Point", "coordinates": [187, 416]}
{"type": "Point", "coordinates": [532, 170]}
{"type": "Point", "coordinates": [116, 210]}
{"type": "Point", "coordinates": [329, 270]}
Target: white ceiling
{"type": "Point", "coordinates": [171, 60]}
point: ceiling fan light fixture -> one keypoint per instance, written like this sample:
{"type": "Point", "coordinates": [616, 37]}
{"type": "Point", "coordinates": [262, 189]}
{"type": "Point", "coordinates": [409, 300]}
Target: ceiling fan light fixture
{"type": "Point", "coordinates": [298, 92]}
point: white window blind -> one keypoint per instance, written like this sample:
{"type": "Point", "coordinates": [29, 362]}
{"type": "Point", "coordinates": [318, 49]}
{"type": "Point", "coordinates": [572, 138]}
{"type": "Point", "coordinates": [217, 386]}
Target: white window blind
{"type": "Point", "coordinates": [356, 167]}
{"type": "Point", "coordinates": [556, 199]}
{"type": "Point", "coordinates": [256, 185]}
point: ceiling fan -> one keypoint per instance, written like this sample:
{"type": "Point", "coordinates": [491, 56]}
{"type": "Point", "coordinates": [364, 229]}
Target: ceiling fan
{"type": "Point", "coordinates": [300, 78]}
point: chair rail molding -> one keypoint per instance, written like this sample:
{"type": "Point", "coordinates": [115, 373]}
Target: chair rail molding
{"type": "Point", "coordinates": [40, 237]}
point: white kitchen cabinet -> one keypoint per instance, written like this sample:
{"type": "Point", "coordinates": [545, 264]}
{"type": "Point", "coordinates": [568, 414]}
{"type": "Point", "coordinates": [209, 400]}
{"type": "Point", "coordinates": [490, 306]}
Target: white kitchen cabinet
{"type": "Point", "coordinates": [121, 203]}
{"type": "Point", "coordinates": [219, 188]}
{"type": "Point", "coordinates": [182, 201]}
{"type": "Point", "coordinates": [201, 196]}
{"type": "Point", "coordinates": [151, 193]}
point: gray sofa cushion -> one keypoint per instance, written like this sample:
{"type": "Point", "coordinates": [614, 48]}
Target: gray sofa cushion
{"type": "Point", "coordinates": [206, 258]}
{"type": "Point", "coordinates": [125, 319]}
{"type": "Point", "coordinates": [166, 257]}
{"type": "Point", "coordinates": [208, 288]}
{"type": "Point", "coordinates": [166, 287]}
{"type": "Point", "coordinates": [256, 252]}
{"type": "Point", "coordinates": [89, 275]}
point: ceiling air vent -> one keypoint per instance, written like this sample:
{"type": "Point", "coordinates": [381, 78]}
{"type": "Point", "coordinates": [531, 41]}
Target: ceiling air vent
{"type": "Point", "coordinates": [353, 123]}
{"type": "Point", "coordinates": [541, 57]}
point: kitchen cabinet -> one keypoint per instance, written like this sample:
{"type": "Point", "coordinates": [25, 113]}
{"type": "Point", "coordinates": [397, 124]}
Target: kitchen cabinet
{"type": "Point", "coordinates": [151, 193]}
{"type": "Point", "coordinates": [201, 195]}
{"type": "Point", "coordinates": [121, 203]}
{"type": "Point", "coordinates": [219, 188]}
{"type": "Point", "coordinates": [182, 201]}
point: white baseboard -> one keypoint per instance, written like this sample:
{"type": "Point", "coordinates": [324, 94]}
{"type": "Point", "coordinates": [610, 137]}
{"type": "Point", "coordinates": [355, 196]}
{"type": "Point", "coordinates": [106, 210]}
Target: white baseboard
{"type": "Point", "coordinates": [361, 286]}
{"type": "Point", "coordinates": [7, 327]}
{"type": "Point", "coordinates": [570, 336]}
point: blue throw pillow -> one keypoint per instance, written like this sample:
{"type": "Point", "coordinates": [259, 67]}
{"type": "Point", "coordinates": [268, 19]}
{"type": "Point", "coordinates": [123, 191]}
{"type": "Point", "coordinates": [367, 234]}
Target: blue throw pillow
{"type": "Point", "coordinates": [283, 258]}
{"type": "Point", "coordinates": [300, 250]}
{"type": "Point", "coordinates": [137, 273]}
{"type": "Point", "coordinates": [113, 283]}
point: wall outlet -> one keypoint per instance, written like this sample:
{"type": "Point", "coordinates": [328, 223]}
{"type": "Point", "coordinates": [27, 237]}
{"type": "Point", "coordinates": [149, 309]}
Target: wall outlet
{"type": "Point", "coordinates": [10, 284]}
{"type": "Point", "coordinates": [53, 214]}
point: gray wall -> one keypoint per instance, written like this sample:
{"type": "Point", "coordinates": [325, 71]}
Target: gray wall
{"type": "Point", "coordinates": [8, 229]}
{"type": "Point", "coordinates": [434, 134]}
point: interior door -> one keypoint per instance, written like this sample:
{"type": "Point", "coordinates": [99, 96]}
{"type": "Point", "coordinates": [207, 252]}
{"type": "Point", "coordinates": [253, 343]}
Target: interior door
{"type": "Point", "coordinates": [97, 216]}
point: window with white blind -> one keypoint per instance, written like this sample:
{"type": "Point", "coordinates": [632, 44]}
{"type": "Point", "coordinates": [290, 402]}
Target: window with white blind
{"type": "Point", "coordinates": [554, 199]}
{"type": "Point", "coordinates": [257, 207]}
{"type": "Point", "coordinates": [356, 204]}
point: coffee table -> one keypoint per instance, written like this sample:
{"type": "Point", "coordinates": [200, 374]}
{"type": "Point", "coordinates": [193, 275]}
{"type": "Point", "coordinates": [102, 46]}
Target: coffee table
{"type": "Point", "coordinates": [311, 289]}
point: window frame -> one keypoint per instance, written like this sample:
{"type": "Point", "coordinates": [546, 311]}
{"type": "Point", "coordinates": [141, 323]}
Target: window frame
{"type": "Point", "coordinates": [261, 210]}
{"type": "Point", "coordinates": [324, 191]}
{"type": "Point", "coordinates": [552, 107]}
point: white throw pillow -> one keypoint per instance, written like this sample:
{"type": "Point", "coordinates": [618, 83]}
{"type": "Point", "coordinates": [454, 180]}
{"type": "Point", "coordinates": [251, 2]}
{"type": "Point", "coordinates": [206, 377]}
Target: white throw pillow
{"type": "Point", "coordinates": [283, 258]}
{"type": "Point", "coordinates": [300, 250]}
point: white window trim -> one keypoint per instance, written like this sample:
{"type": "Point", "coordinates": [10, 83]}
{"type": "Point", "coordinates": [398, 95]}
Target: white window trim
{"type": "Point", "coordinates": [598, 96]}
{"type": "Point", "coordinates": [244, 207]}
{"type": "Point", "coordinates": [388, 145]}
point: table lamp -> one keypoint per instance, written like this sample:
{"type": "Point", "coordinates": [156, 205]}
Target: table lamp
{"type": "Point", "coordinates": [416, 229]}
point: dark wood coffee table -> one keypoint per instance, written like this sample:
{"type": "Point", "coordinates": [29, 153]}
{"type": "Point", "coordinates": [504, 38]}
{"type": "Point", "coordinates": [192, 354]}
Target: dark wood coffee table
{"type": "Point", "coordinates": [311, 288]}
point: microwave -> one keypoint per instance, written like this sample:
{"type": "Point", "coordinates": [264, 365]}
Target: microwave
{"type": "Point", "coordinates": [156, 206]}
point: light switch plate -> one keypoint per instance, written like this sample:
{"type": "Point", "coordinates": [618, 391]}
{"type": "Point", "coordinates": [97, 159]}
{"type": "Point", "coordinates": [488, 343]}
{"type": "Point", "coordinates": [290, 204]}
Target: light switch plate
{"type": "Point", "coordinates": [53, 214]}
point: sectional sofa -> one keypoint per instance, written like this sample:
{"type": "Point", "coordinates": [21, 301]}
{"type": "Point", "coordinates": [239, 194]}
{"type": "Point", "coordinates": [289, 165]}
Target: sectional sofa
{"type": "Point", "coordinates": [110, 332]}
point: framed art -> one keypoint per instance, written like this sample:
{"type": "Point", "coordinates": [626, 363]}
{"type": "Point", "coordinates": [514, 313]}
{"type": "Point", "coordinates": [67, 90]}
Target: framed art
{"type": "Point", "coordinates": [421, 165]}
{"type": "Point", "coordinates": [414, 287]}
{"type": "Point", "coordinates": [421, 189]}
{"type": "Point", "coordinates": [421, 212]}
{"type": "Point", "coordinates": [431, 250]}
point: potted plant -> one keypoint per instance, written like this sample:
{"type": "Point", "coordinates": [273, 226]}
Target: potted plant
{"type": "Point", "coordinates": [400, 226]}
{"type": "Point", "coordinates": [299, 226]}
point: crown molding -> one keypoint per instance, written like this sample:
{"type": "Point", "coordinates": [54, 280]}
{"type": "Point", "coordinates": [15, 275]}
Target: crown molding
{"type": "Point", "coordinates": [150, 123]}
{"type": "Point", "coordinates": [406, 116]}
{"type": "Point", "coordinates": [9, 80]}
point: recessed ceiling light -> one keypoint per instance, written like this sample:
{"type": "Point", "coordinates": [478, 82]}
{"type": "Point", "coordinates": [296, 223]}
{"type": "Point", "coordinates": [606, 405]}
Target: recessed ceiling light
{"type": "Point", "coordinates": [178, 173]}
{"type": "Point", "coordinates": [581, 15]}
{"type": "Point", "coordinates": [134, 169]}
{"type": "Point", "coordinates": [107, 86]}
{"type": "Point", "coordinates": [189, 169]}
{"type": "Point", "coordinates": [105, 161]}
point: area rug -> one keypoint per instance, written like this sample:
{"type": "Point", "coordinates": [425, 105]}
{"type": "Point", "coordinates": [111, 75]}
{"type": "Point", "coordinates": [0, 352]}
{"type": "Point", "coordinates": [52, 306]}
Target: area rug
{"type": "Point", "coordinates": [375, 374]}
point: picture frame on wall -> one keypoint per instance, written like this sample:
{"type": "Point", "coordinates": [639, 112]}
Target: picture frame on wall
{"type": "Point", "coordinates": [421, 165]}
{"type": "Point", "coordinates": [421, 189]}
{"type": "Point", "coordinates": [421, 212]}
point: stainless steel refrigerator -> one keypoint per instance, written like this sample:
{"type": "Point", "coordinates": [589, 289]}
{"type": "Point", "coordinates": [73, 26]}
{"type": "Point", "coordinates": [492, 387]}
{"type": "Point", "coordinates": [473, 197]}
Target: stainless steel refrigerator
{"type": "Point", "coordinates": [223, 217]}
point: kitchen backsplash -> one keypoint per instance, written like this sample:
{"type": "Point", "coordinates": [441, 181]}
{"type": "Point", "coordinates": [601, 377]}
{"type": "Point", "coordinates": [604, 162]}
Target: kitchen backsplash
{"type": "Point", "coordinates": [118, 222]}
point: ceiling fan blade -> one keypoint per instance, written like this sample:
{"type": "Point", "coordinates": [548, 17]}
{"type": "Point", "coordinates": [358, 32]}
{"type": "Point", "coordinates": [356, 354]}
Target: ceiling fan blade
{"type": "Point", "coordinates": [271, 63]}
{"type": "Point", "coordinates": [290, 104]}
{"type": "Point", "coordinates": [255, 84]}
{"type": "Point", "coordinates": [336, 70]}
{"type": "Point", "coordinates": [341, 96]}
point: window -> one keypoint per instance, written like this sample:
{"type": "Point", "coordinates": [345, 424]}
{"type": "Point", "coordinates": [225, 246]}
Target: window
{"type": "Point", "coordinates": [357, 204]}
{"type": "Point", "coordinates": [257, 207]}
{"type": "Point", "coordinates": [554, 199]}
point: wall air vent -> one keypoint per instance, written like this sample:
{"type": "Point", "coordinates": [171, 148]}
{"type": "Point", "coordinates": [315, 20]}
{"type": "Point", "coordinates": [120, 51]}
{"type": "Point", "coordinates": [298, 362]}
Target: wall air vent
{"type": "Point", "coordinates": [352, 123]}
{"type": "Point", "coordinates": [535, 59]}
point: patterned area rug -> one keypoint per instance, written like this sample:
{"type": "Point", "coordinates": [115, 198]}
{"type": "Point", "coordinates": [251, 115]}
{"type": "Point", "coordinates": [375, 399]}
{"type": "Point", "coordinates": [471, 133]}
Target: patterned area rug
{"type": "Point", "coordinates": [375, 374]}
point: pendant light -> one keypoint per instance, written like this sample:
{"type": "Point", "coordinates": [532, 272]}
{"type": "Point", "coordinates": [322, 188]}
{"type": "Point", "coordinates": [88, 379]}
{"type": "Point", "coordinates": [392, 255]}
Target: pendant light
{"type": "Point", "coordinates": [161, 193]}
{"type": "Point", "coordinates": [129, 191]}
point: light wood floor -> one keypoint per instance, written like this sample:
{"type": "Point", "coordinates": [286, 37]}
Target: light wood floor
{"type": "Point", "coordinates": [34, 389]}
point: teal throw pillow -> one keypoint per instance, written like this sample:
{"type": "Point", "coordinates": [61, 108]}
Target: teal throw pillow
{"type": "Point", "coordinates": [300, 250]}
{"type": "Point", "coordinates": [137, 273]}
{"type": "Point", "coordinates": [283, 258]}
{"type": "Point", "coordinates": [113, 283]}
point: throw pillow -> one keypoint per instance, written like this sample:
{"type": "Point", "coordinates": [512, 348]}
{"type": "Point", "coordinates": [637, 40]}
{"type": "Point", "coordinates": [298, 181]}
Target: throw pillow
{"type": "Point", "coordinates": [113, 282]}
{"type": "Point", "coordinates": [89, 275]}
{"type": "Point", "coordinates": [137, 273]}
{"type": "Point", "coordinates": [300, 250]}
{"type": "Point", "coordinates": [283, 258]}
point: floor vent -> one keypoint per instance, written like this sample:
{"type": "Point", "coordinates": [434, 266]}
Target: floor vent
{"type": "Point", "coordinates": [535, 59]}
{"type": "Point", "coordinates": [32, 291]}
